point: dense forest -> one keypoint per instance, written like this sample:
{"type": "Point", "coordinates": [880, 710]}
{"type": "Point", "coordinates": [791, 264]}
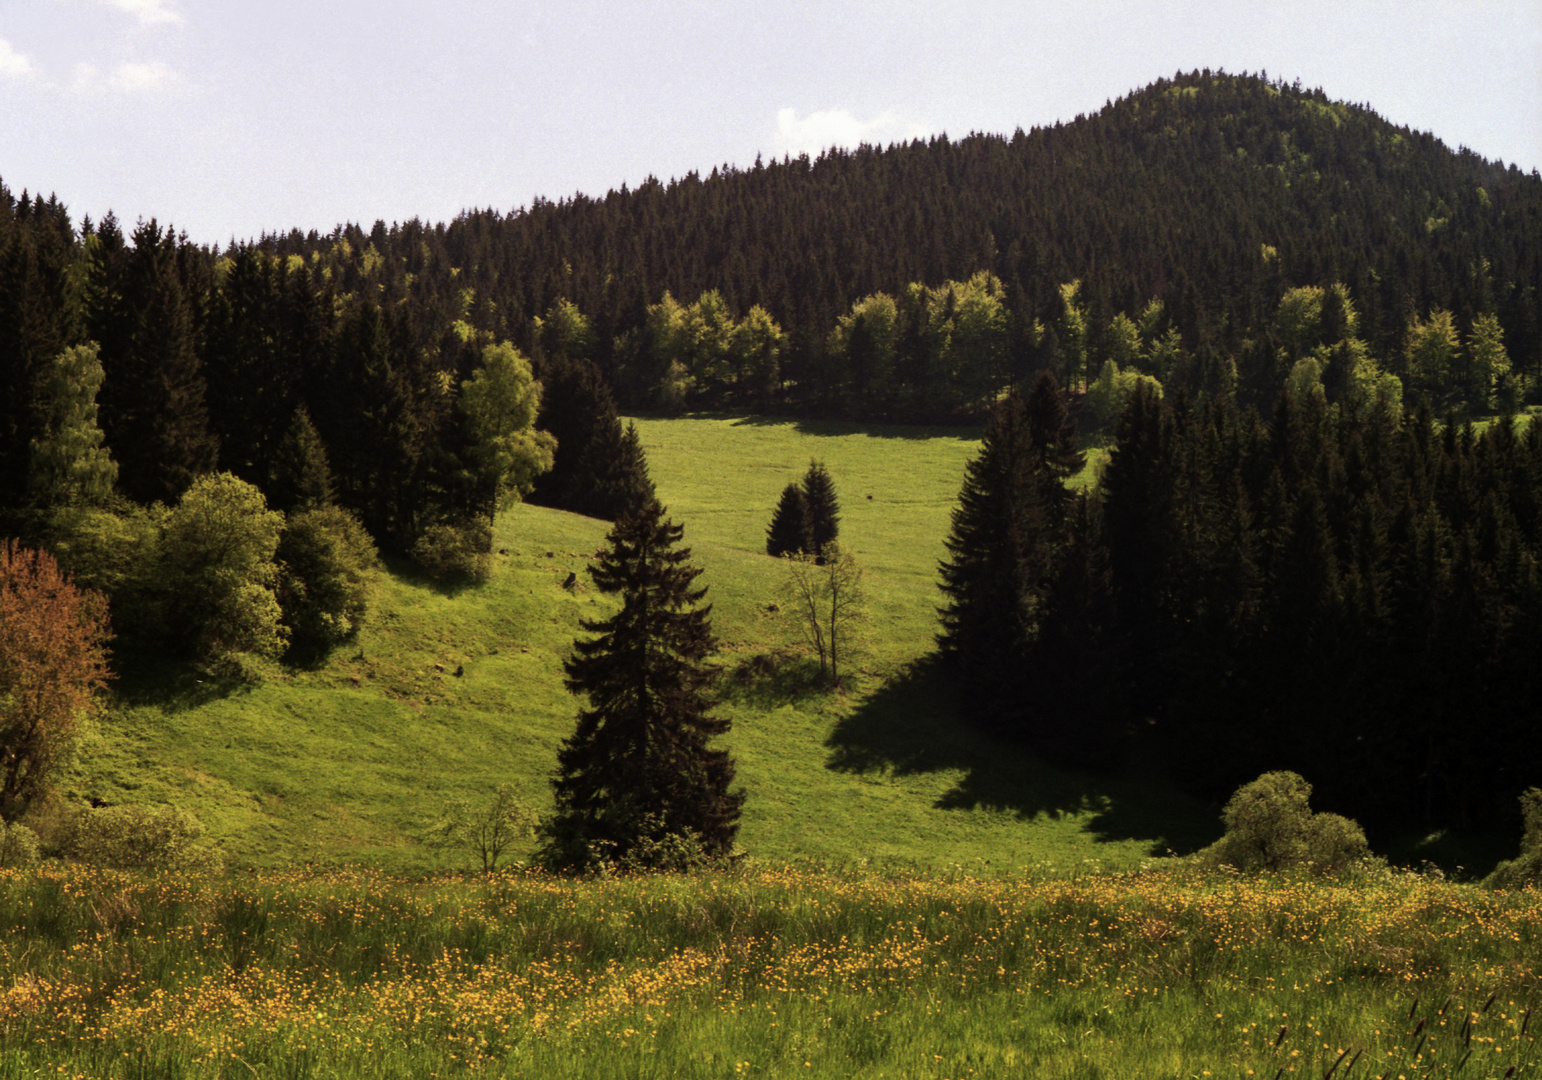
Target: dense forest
{"type": "Point", "coordinates": [1279, 308]}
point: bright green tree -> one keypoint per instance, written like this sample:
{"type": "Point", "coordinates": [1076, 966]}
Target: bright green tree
{"type": "Point", "coordinates": [218, 575]}
{"type": "Point", "coordinates": [500, 402]}
{"type": "Point", "coordinates": [70, 466]}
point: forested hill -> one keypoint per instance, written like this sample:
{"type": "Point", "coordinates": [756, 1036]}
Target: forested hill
{"type": "Point", "coordinates": [1211, 192]}
{"type": "Point", "coordinates": [1216, 234]}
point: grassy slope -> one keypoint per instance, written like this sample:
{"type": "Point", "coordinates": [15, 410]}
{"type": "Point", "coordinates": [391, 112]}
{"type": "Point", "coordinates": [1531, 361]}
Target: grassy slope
{"type": "Point", "coordinates": [354, 760]}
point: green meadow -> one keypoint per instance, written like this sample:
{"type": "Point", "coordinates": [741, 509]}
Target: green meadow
{"type": "Point", "coordinates": [919, 901]}
{"type": "Point", "coordinates": [449, 692]}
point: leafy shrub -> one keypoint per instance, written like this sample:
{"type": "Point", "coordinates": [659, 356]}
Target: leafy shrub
{"type": "Point", "coordinates": [456, 551]}
{"type": "Point", "coordinates": [139, 838]}
{"type": "Point", "coordinates": [18, 845]}
{"type": "Point", "coordinates": [325, 558]}
{"type": "Point", "coordinates": [217, 573]}
{"type": "Point", "coordinates": [1270, 827]}
{"type": "Point", "coordinates": [1526, 868]}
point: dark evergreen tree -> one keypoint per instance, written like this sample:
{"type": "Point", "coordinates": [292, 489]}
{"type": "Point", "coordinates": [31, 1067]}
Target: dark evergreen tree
{"type": "Point", "coordinates": [789, 531]}
{"type": "Point", "coordinates": [822, 508]}
{"type": "Point", "coordinates": [638, 770]}
{"type": "Point", "coordinates": [600, 469]}
{"type": "Point", "coordinates": [618, 484]}
{"type": "Point", "coordinates": [300, 476]}
{"type": "Point", "coordinates": [995, 567]}
{"type": "Point", "coordinates": [152, 403]}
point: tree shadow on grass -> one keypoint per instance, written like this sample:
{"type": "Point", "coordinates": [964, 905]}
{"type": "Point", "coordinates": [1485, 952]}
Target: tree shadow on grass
{"type": "Point", "coordinates": [770, 679]}
{"type": "Point", "coordinates": [149, 676]}
{"type": "Point", "coordinates": [912, 725]}
{"type": "Point", "coordinates": [806, 426]}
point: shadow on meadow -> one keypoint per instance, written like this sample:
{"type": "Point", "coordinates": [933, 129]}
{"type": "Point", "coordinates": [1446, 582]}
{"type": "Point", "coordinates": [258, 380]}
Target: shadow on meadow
{"type": "Point", "coordinates": [912, 726]}
{"type": "Point", "coordinates": [770, 679]}
{"type": "Point", "coordinates": [147, 675]}
{"type": "Point", "coordinates": [835, 428]}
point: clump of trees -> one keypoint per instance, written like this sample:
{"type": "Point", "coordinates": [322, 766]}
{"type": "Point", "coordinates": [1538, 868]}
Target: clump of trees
{"type": "Point", "coordinates": [807, 517]}
{"type": "Point", "coordinates": [638, 781]}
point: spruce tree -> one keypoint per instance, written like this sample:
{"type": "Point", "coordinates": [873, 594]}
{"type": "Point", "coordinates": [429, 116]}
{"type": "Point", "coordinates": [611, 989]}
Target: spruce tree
{"type": "Point", "coordinates": [617, 483]}
{"type": "Point", "coordinates": [822, 507]}
{"type": "Point", "coordinates": [301, 477]}
{"type": "Point", "coordinates": [993, 575]}
{"type": "Point", "coordinates": [637, 775]}
{"type": "Point", "coordinates": [789, 533]}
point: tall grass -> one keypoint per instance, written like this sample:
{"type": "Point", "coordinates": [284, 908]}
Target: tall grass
{"type": "Point", "coordinates": [769, 971]}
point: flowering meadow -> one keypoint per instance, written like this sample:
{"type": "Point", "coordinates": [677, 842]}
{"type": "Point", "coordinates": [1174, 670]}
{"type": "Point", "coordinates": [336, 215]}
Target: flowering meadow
{"type": "Point", "coordinates": [785, 971]}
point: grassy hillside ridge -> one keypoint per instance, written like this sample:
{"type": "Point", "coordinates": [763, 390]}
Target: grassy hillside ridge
{"type": "Point", "coordinates": [354, 760]}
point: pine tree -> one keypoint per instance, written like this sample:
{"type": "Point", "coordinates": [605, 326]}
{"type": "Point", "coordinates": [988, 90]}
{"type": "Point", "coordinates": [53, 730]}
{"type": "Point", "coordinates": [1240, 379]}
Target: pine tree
{"type": "Point", "coordinates": [617, 470]}
{"type": "Point", "coordinates": [300, 478]}
{"type": "Point", "coordinates": [821, 506]}
{"type": "Point", "coordinates": [992, 575]}
{"type": "Point", "coordinates": [638, 773]}
{"type": "Point", "coordinates": [789, 533]}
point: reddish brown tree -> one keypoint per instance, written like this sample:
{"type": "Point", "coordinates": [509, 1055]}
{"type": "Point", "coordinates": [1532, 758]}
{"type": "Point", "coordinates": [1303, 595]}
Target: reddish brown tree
{"type": "Point", "coordinates": [53, 660]}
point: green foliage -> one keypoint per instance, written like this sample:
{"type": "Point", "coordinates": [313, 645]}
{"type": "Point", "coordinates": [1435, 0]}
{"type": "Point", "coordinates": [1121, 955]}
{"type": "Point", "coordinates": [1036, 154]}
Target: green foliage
{"type": "Point", "coordinates": [488, 831]}
{"type": "Point", "coordinates": [1112, 390]}
{"type": "Point", "coordinates": [500, 403]}
{"type": "Point", "coordinates": [1270, 827]}
{"type": "Point", "coordinates": [325, 560]}
{"type": "Point", "coordinates": [454, 551]}
{"type": "Point", "coordinates": [1525, 869]}
{"type": "Point", "coordinates": [18, 845]}
{"type": "Point", "coordinates": [300, 476]}
{"type": "Point", "coordinates": [139, 838]}
{"type": "Point", "coordinates": [217, 573]}
{"type": "Point", "coordinates": [1431, 351]}
{"type": "Point", "coordinates": [70, 465]}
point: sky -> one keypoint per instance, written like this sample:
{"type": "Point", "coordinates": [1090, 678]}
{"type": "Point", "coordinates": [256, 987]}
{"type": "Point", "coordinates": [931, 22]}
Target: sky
{"type": "Point", "coordinates": [230, 119]}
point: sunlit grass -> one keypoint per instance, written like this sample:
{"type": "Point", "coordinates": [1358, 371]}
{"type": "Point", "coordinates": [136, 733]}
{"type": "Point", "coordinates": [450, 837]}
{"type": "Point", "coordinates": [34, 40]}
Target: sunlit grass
{"type": "Point", "coordinates": [768, 971]}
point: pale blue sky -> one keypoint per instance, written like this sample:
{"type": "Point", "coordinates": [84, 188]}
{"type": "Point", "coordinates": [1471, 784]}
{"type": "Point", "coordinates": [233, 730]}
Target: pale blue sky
{"type": "Point", "coordinates": [228, 119]}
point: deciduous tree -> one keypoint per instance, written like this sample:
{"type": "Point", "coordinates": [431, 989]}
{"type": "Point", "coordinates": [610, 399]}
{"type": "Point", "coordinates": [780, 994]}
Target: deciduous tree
{"type": "Point", "coordinates": [53, 660]}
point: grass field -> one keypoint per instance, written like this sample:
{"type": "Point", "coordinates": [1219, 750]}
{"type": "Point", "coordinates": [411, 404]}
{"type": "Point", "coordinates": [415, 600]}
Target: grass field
{"type": "Point", "coordinates": [919, 901]}
{"type": "Point", "coordinates": [773, 972]}
{"type": "Point", "coordinates": [353, 762]}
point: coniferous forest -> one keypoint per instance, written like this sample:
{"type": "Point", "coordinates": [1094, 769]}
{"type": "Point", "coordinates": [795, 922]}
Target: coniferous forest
{"type": "Point", "coordinates": [1280, 312]}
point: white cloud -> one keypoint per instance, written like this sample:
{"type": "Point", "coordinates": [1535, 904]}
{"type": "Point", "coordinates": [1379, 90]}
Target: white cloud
{"type": "Point", "coordinates": [136, 77]}
{"type": "Point", "coordinates": [836, 127]}
{"type": "Point", "coordinates": [14, 65]}
{"type": "Point", "coordinates": [148, 12]}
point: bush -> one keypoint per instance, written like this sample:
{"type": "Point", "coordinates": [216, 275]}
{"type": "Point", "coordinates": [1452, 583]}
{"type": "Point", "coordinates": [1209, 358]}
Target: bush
{"type": "Point", "coordinates": [217, 573]}
{"type": "Point", "coordinates": [1270, 827]}
{"type": "Point", "coordinates": [456, 551]}
{"type": "Point", "coordinates": [325, 558]}
{"type": "Point", "coordinates": [1525, 869]}
{"type": "Point", "coordinates": [18, 845]}
{"type": "Point", "coordinates": [139, 838]}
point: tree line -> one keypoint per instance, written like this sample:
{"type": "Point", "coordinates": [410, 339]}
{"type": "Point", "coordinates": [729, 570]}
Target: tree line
{"type": "Point", "coordinates": [1348, 590]}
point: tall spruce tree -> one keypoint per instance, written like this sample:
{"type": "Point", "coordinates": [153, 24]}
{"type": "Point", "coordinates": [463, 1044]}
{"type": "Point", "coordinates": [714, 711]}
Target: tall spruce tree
{"type": "Point", "coordinates": [993, 576]}
{"type": "Point", "coordinates": [821, 506]}
{"type": "Point", "coordinates": [638, 770]}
